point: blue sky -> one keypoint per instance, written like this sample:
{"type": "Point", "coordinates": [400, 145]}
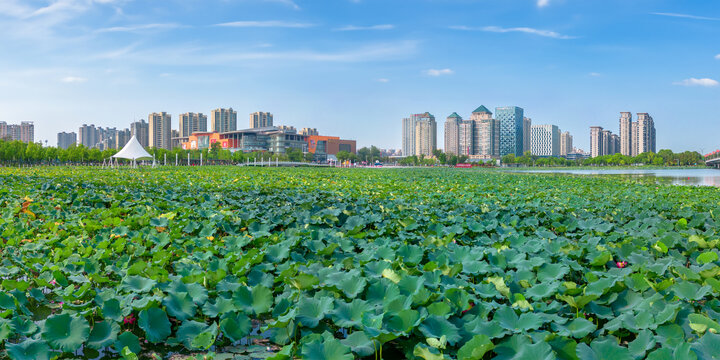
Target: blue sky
{"type": "Point", "coordinates": [355, 68]}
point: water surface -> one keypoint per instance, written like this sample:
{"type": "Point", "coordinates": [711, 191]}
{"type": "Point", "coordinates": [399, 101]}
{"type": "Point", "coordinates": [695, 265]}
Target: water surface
{"type": "Point", "coordinates": [693, 177]}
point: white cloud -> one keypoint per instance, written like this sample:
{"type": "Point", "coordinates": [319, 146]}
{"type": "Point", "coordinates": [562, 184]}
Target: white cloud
{"type": "Point", "coordinates": [134, 28]}
{"type": "Point", "coordinates": [705, 82]}
{"type": "Point", "coordinates": [594, 74]}
{"type": "Point", "coordinates": [73, 79]}
{"type": "Point", "coordinates": [717, 56]}
{"type": "Point", "coordinates": [527, 30]}
{"type": "Point", "coordinates": [543, 3]}
{"type": "Point", "coordinates": [360, 28]}
{"type": "Point", "coordinates": [439, 72]}
{"type": "Point", "coordinates": [686, 16]}
{"type": "Point", "coordinates": [266, 24]}
{"type": "Point", "coordinates": [383, 80]}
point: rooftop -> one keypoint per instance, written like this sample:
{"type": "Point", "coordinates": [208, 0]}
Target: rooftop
{"type": "Point", "coordinates": [482, 109]}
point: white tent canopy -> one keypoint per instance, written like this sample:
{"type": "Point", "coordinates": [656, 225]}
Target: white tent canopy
{"type": "Point", "coordinates": [133, 151]}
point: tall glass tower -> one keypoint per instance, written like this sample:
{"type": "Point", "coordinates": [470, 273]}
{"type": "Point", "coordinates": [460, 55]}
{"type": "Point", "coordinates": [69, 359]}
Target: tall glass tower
{"type": "Point", "coordinates": [511, 129]}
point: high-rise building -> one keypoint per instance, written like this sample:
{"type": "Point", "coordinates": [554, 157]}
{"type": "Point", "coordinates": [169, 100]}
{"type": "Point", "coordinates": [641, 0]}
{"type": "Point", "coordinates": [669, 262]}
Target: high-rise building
{"type": "Point", "coordinates": [192, 122]}
{"type": "Point", "coordinates": [566, 143]}
{"type": "Point", "coordinates": [159, 130]}
{"type": "Point", "coordinates": [634, 149]}
{"type": "Point", "coordinates": [27, 131]}
{"type": "Point", "coordinates": [122, 138]}
{"type": "Point", "coordinates": [425, 135]}
{"type": "Point", "coordinates": [452, 134]}
{"type": "Point", "coordinates": [527, 134]}
{"type": "Point", "coordinates": [545, 140]}
{"type": "Point", "coordinates": [646, 133]}
{"type": "Point", "coordinates": [64, 140]}
{"type": "Point", "coordinates": [466, 132]}
{"type": "Point", "coordinates": [408, 134]}
{"type": "Point", "coordinates": [223, 120]}
{"type": "Point", "coordinates": [88, 136]}
{"type": "Point", "coordinates": [607, 150]}
{"type": "Point", "coordinates": [596, 141]}
{"type": "Point", "coordinates": [141, 131]}
{"type": "Point", "coordinates": [626, 140]}
{"type": "Point", "coordinates": [486, 134]}
{"type": "Point", "coordinates": [3, 131]}
{"type": "Point", "coordinates": [309, 132]}
{"type": "Point", "coordinates": [511, 130]}
{"type": "Point", "coordinates": [261, 119]}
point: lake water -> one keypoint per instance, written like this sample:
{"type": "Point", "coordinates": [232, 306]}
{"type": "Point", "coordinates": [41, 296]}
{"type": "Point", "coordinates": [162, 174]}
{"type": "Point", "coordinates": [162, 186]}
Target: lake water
{"type": "Point", "coordinates": [693, 177]}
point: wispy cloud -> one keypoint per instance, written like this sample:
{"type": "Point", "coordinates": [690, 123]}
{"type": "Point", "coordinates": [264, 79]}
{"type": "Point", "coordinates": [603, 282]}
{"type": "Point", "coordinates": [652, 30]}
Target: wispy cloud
{"type": "Point", "coordinates": [698, 82]}
{"type": "Point", "coordinates": [438, 72]}
{"type": "Point", "coordinates": [73, 79]}
{"type": "Point", "coordinates": [383, 80]}
{"type": "Point", "coordinates": [266, 24]}
{"type": "Point", "coordinates": [187, 54]}
{"type": "Point", "coordinates": [361, 28]}
{"type": "Point", "coordinates": [289, 3]}
{"type": "Point", "coordinates": [686, 16]}
{"type": "Point", "coordinates": [717, 57]}
{"type": "Point", "coordinates": [543, 3]}
{"type": "Point", "coordinates": [594, 74]}
{"type": "Point", "coordinates": [136, 28]}
{"type": "Point", "coordinates": [527, 30]}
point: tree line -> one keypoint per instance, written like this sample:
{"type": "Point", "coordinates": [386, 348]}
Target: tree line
{"type": "Point", "coordinates": [662, 158]}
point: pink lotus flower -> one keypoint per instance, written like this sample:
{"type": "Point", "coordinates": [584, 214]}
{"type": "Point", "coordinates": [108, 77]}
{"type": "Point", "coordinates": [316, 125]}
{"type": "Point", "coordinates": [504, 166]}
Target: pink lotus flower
{"type": "Point", "coordinates": [53, 282]}
{"type": "Point", "coordinates": [621, 264]}
{"type": "Point", "coordinates": [129, 320]}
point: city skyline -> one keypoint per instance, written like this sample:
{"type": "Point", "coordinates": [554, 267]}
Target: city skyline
{"type": "Point", "coordinates": [308, 61]}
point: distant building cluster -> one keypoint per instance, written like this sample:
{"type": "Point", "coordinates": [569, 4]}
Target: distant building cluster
{"type": "Point", "coordinates": [484, 136]}
{"type": "Point", "coordinates": [636, 137]}
{"type": "Point", "coordinates": [24, 132]}
{"type": "Point", "coordinates": [193, 133]}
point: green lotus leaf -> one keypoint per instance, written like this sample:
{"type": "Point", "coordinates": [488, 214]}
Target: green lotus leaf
{"type": "Point", "coordinates": [437, 327]}
{"type": "Point", "coordinates": [607, 349]}
{"type": "Point", "coordinates": [103, 334]}
{"type": "Point", "coordinates": [28, 350]}
{"type": "Point", "coordinates": [66, 333]}
{"type": "Point", "coordinates": [255, 300]}
{"type": "Point", "coordinates": [707, 347]}
{"type": "Point", "coordinates": [476, 348]}
{"type": "Point", "coordinates": [707, 257]}
{"type": "Point", "coordinates": [311, 311]}
{"type": "Point", "coordinates": [403, 321]}
{"type": "Point", "coordinates": [192, 334]}
{"type": "Point", "coordinates": [550, 272]}
{"type": "Point", "coordinates": [361, 344]}
{"type": "Point", "coordinates": [180, 305]}
{"type": "Point", "coordinates": [424, 352]}
{"type": "Point", "coordinates": [155, 323]}
{"type": "Point", "coordinates": [687, 290]}
{"type": "Point", "coordinates": [326, 348]}
{"type": "Point", "coordinates": [137, 284]}
{"type": "Point", "coordinates": [350, 314]}
{"type": "Point", "coordinates": [235, 326]}
{"type": "Point", "coordinates": [520, 347]}
{"type": "Point", "coordinates": [542, 291]}
{"type": "Point", "coordinates": [643, 342]}
{"type": "Point", "coordinates": [508, 319]}
{"type": "Point", "coordinates": [350, 283]}
{"type": "Point", "coordinates": [578, 328]}
{"type": "Point", "coordinates": [127, 340]}
{"type": "Point", "coordinates": [111, 310]}
{"type": "Point", "coordinates": [701, 323]}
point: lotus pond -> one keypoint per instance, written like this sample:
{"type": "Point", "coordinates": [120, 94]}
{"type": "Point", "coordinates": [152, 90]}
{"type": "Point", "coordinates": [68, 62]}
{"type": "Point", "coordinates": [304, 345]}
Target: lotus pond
{"type": "Point", "coordinates": [238, 263]}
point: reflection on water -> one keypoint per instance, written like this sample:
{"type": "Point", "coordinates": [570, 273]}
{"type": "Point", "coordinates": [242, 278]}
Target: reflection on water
{"type": "Point", "coordinates": [694, 177]}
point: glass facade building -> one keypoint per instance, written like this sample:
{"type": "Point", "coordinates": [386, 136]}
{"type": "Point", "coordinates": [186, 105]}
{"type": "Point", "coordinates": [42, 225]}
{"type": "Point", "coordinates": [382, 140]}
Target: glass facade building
{"type": "Point", "coordinates": [511, 129]}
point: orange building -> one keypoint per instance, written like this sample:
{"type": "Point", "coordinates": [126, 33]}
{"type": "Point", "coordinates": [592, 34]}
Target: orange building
{"type": "Point", "coordinates": [329, 145]}
{"type": "Point", "coordinates": [204, 140]}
